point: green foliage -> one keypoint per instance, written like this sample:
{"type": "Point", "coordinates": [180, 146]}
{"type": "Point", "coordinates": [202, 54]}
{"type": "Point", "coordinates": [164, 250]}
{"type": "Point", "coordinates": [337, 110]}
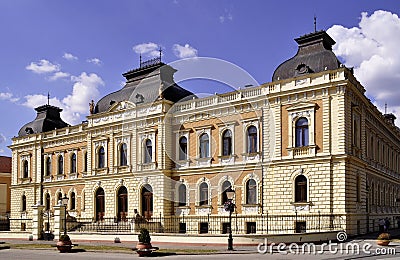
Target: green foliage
{"type": "Point", "coordinates": [64, 238]}
{"type": "Point", "coordinates": [144, 236]}
{"type": "Point", "coordinates": [384, 236]}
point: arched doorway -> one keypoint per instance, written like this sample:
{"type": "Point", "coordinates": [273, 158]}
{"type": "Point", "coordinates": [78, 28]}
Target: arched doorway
{"type": "Point", "coordinates": [147, 201]}
{"type": "Point", "coordinates": [122, 203]}
{"type": "Point", "coordinates": [100, 204]}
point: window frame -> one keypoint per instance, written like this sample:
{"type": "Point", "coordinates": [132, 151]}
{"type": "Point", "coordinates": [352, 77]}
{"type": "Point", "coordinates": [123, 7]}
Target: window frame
{"type": "Point", "coordinates": [203, 194]}
{"type": "Point", "coordinates": [73, 163]}
{"type": "Point", "coordinates": [249, 188]}
{"type": "Point", "coordinates": [302, 135]}
{"type": "Point", "coordinates": [301, 189]}
{"type": "Point", "coordinates": [147, 151]}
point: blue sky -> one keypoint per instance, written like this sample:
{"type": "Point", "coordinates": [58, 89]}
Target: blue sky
{"type": "Point", "coordinates": [77, 50]}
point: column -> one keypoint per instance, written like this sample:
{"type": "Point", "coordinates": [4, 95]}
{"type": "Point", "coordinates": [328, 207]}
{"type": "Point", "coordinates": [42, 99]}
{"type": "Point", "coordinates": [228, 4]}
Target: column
{"type": "Point", "coordinates": [59, 214]}
{"type": "Point", "coordinates": [37, 221]}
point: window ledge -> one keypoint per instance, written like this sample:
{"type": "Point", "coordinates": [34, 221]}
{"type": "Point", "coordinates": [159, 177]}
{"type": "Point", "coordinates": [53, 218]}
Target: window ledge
{"type": "Point", "coordinates": [302, 151]}
{"type": "Point", "coordinates": [204, 161]}
{"type": "Point", "coordinates": [60, 177]}
{"type": "Point", "coordinates": [25, 180]}
{"type": "Point", "coordinates": [147, 166]}
{"type": "Point", "coordinates": [301, 206]}
{"type": "Point", "coordinates": [101, 170]}
{"type": "Point", "coordinates": [251, 209]}
{"type": "Point", "coordinates": [73, 175]}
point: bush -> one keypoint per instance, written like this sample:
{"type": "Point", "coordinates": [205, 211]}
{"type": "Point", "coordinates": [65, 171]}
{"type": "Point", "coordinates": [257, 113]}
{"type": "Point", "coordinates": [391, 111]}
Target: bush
{"type": "Point", "coordinates": [144, 236]}
{"type": "Point", "coordinates": [64, 238]}
{"type": "Point", "coordinates": [384, 236]}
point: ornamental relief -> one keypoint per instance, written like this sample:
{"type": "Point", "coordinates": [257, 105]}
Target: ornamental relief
{"type": "Point", "coordinates": [305, 113]}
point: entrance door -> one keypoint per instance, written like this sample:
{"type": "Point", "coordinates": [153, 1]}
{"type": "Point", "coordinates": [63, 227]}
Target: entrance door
{"type": "Point", "coordinates": [147, 201]}
{"type": "Point", "coordinates": [122, 203]}
{"type": "Point", "coordinates": [100, 204]}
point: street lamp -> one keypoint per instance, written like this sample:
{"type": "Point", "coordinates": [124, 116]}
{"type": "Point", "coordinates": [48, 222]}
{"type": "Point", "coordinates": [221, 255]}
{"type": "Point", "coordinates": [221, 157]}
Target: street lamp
{"type": "Point", "coordinates": [230, 207]}
{"type": "Point", "coordinates": [64, 201]}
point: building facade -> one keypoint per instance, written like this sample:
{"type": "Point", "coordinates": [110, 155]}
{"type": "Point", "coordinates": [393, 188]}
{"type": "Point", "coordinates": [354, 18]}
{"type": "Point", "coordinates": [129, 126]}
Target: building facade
{"type": "Point", "coordinates": [5, 183]}
{"type": "Point", "coordinates": [309, 142]}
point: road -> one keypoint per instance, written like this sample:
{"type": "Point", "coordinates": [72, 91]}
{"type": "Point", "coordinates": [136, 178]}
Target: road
{"type": "Point", "coordinates": [54, 254]}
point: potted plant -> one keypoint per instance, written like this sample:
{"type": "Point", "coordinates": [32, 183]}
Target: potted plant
{"type": "Point", "coordinates": [383, 239]}
{"type": "Point", "coordinates": [64, 244]}
{"type": "Point", "coordinates": [144, 247]}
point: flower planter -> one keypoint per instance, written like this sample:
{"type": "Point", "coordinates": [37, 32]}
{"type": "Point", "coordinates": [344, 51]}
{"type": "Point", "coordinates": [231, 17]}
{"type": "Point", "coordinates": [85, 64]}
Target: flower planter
{"type": "Point", "coordinates": [64, 246]}
{"type": "Point", "coordinates": [383, 242]}
{"type": "Point", "coordinates": [144, 249]}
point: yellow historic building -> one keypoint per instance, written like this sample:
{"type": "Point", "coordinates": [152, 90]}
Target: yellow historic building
{"type": "Point", "coordinates": [305, 152]}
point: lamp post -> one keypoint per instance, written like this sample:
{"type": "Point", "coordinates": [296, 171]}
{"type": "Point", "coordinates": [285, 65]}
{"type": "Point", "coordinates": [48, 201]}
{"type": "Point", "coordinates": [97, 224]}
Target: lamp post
{"type": "Point", "coordinates": [64, 202]}
{"type": "Point", "coordinates": [230, 207]}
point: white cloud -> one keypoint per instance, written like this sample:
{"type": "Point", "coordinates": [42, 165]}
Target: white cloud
{"type": "Point", "coordinates": [69, 56]}
{"type": "Point", "coordinates": [8, 96]}
{"type": "Point", "coordinates": [2, 138]}
{"type": "Point", "coordinates": [372, 49]}
{"type": "Point", "coordinates": [59, 75]}
{"type": "Point", "coordinates": [43, 66]}
{"type": "Point", "coordinates": [150, 49]}
{"type": "Point", "coordinates": [185, 51]}
{"type": "Point", "coordinates": [227, 16]}
{"type": "Point", "coordinates": [76, 104]}
{"type": "Point", "coordinates": [95, 61]}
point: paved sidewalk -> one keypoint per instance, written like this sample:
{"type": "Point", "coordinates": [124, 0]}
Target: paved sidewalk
{"type": "Point", "coordinates": [217, 248]}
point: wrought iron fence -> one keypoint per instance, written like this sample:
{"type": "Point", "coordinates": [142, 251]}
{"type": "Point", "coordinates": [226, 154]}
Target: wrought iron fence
{"type": "Point", "coordinates": [20, 224]}
{"type": "Point", "coordinates": [214, 224]}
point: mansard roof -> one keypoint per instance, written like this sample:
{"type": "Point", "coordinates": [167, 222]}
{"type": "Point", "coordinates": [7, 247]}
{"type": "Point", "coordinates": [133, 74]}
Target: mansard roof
{"type": "Point", "coordinates": [47, 119]}
{"type": "Point", "coordinates": [314, 55]}
{"type": "Point", "coordinates": [152, 81]}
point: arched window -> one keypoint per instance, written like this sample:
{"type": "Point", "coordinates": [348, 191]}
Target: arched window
{"type": "Point", "coordinates": [182, 148]}
{"type": "Point", "coordinates": [252, 139]}
{"type": "Point", "coordinates": [25, 169]}
{"type": "Point", "coordinates": [300, 188]}
{"type": "Point", "coordinates": [101, 157]}
{"type": "Point", "coordinates": [203, 190]}
{"type": "Point", "coordinates": [182, 195]}
{"type": "Point", "coordinates": [147, 201]}
{"type": "Point", "coordinates": [251, 192]}
{"type": "Point", "coordinates": [204, 146]}
{"type": "Point", "coordinates": [72, 199]}
{"type": "Point", "coordinates": [123, 153]}
{"type": "Point", "coordinates": [47, 202]}
{"type": "Point", "coordinates": [59, 198]}
{"type": "Point", "coordinates": [122, 198]}
{"type": "Point", "coordinates": [60, 165]}
{"type": "Point", "coordinates": [148, 151]}
{"type": "Point", "coordinates": [48, 166]}
{"type": "Point", "coordinates": [85, 162]}
{"type": "Point", "coordinates": [100, 204]}
{"type": "Point", "coordinates": [301, 132]}
{"type": "Point", "coordinates": [227, 143]}
{"type": "Point", "coordinates": [73, 163]}
{"type": "Point", "coordinates": [225, 187]}
{"type": "Point", "coordinates": [23, 202]}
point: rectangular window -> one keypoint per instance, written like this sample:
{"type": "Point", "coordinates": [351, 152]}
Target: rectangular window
{"type": "Point", "coordinates": [182, 228]}
{"type": "Point", "coordinates": [251, 227]}
{"type": "Point", "coordinates": [203, 227]}
{"type": "Point", "coordinates": [225, 228]}
{"type": "Point", "coordinates": [301, 227]}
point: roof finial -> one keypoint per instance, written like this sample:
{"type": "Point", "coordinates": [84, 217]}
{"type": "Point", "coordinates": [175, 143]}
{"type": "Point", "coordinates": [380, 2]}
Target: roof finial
{"type": "Point", "coordinates": [160, 53]}
{"type": "Point", "coordinates": [48, 98]}
{"type": "Point", "coordinates": [140, 60]}
{"type": "Point", "coordinates": [385, 108]}
{"type": "Point", "coordinates": [315, 23]}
